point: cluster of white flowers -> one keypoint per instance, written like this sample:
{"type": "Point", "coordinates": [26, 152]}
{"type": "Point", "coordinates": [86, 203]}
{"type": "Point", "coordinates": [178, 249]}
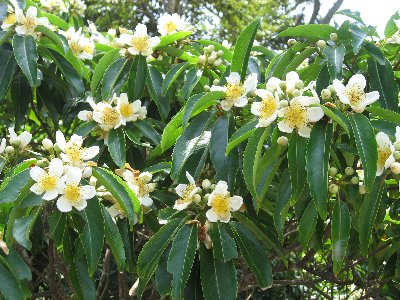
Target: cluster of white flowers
{"type": "Point", "coordinates": [81, 46]}
{"type": "Point", "coordinates": [168, 24]}
{"type": "Point", "coordinates": [17, 142]}
{"type": "Point", "coordinates": [211, 57]}
{"type": "Point", "coordinates": [63, 176]}
{"type": "Point", "coordinates": [54, 6]}
{"type": "Point", "coordinates": [220, 201]}
{"type": "Point", "coordinates": [77, 7]}
{"type": "Point", "coordinates": [111, 117]}
{"type": "Point", "coordinates": [388, 153]}
{"type": "Point", "coordinates": [25, 24]}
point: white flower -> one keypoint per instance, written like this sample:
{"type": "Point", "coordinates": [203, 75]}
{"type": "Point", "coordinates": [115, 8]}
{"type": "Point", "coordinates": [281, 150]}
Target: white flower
{"type": "Point", "coordinates": [353, 93]}
{"type": "Point", "coordinates": [81, 46]}
{"type": "Point", "coordinates": [24, 138]}
{"type": "Point", "coordinates": [273, 83]}
{"type": "Point", "coordinates": [130, 111]}
{"type": "Point", "coordinates": [186, 193]}
{"type": "Point", "coordinates": [291, 79]}
{"type": "Point", "coordinates": [385, 153]}
{"type": "Point", "coordinates": [235, 91]}
{"type": "Point", "coordinates": [222, 204]}
{"type": "Point", "coordinates": [28, 23]}
{"type": "Point", "coordinates": [47, 144]}
{"type": "Point", "coordinates": [2, 145]}
{"type": "Point", "coordinates": [140, 42]}
{"type": "Point", "coordinates": [53, 6]}
{"type": "Point", "coordinates": [267, 109]}
{"type": "Point", "coordinates": [168, 24]}
{"type": "Point", "coordinates": [141, 186]}
{"type": "Point", "coordinates": [9, 21]}
{"type": "Point", "coordinates": [74, 194]}
{"type": "Point", "coordinates": [298, 115]}
{"type": "Point", "coordinates": [107, 116]}
{"type": "Point", "coordinates": [87, 115]}
{"type": "Point", "coordinates": [77, 7]}
{"type": "Point", "coordinates": [73, 152]}
{"type": "Point", "coordinates": [48, 182]}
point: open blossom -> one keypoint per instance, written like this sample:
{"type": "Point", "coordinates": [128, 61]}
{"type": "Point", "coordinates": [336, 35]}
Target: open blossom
{"type": "Point", "coordinates": [291, 79]}
{"type": "Point", "coordinates": [72, 193]}
{"type": "Point", "coordinates": [385, 152]}
{"type": "Point", "coordinates": [353, 93]}
{"type": "Point", "coordinates": [24, 138]}
{"type": "Point", "coordinates": [141, 185]}
{"type": "Point", "coordinates": [50, 182]}
{"type": "Point", "coordinates": [267, 109]}
{"type": "Point", "coordinates": [26, 24]}
{"type": "Point", "coordinates": [73, 152]}
{"type": "Point", "coordinates": [298, 115]}
{"type": "Point", "coordinates": [107, 116]}
{"type": "Point", "coordinates": [168, 24]}
{"type": "Point", "coordinates": [81, 46]}
{"type": "Point", "coordinates": [222, 204]}
{"type": "Point", "coordinates": [186, 193]}
{"type": "Point", "coordinates": [130, 111]}
{"type": "Point", "coordinates": [235, 91]}
{"type": "Point", "coordinates": [140, 42]}
{"type": "Point", "coordinates": [9, 21]}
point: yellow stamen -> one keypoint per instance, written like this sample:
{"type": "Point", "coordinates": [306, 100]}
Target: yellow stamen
{"type": "Point", "coordinates": [296, 116]}
{"type": "Point", "coordinates": [170, 27]}
{"type": "Point", "coordinates": [74, 152]}
{"type": "Point", "coordinates": [110, 116]}
{"type": "Point", "coordinates": [186, 194]}
{"type": "Point", "coordinates": [383, 154]}
{"type": "Point", "coordinates": [48, 182]}
{"type": "Point", "coordinates": [268, 107]}
{"type": "Point", "coordinates": [126, 110]}
{"type": "Point", "coordinates": [141, 43]}
{"type": "Point", "coordinates": [233, 91]}
{"type": "Point", "coordinates": [355, 94]}
{"type": "Point", "coordinates": [220, 204]}
{"type": "Point", "coordinates": [30, 23]}
{"type": "Point", "coordinates": [10, 19]}
{"type": "Point", "coordinates": [73, 193]}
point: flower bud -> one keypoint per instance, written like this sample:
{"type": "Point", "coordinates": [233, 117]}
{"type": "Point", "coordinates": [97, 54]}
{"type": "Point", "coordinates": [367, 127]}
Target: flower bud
{"type": "Point", "coordinates": [396, 155]}
{"type": "Point", "coordinates": [196, 198]}
{"type": "Point", "coordinates": [93, 181]}
{"type": "Point", "coordinates": [349, 171]}
{"type": "Point", "coordinates": [212, 187]}
{"type": "Point", "coordinates": [206, 184]}
{"type": "Point", "coordinates": [207, 88]}
{"type": "Point", "coordinates": [362, 190]}
{"type": "Point", "coordinates": [112, 32]}
{"type": "Point", "coordinates": [211, 60]}
{"type": "Point", "coordinates": [283, 103]}
{"type": "Point", "coordinates": [9, 149]}
{"type": "Point", "coordinates": [206, 197]}
{"type": "Point", "coordinates": [15, 141]}
{"type": "Point", "coordinates": [211, 48]}
{"type": "Point", "coordinates": [47, 144]}
{"type": "Point", "coordinates": [282, 85]}
{"type": "Point", "coordinates": [396, 146]}
{"type": "Point", "coordinates": [291, 42]}
{"type": "Point", "coordinates": [41, 163]}
{"type": "Point", "coordinates": [220, 53]}
{"type": "Point", "coordinates": [87, 172]}
{"type": "Point", "coordinates": [321, 44]}
{"type": "Point", "coordinates": [332, 89]}
{"type": "Point", "coordinates": [326, 94]}
{"type": "Point", "coordinates": [333, 188]}
{"type": "Point", "coordinates": [215, 82]}
{"type": "Point", "coordinates": [296, 93]}
{"type": "Point", "coordinates": [218, 62]}
{"type": "Point", "coordinates": [333, 37]}
{"type": "Point", "coordinates": [282, 141]}
{"type": "Point", "coordinates": [395, 168]}
{"type": "Point", "coordinates": [56, 147]}
{"type": "Point", "coordinates": [354, 180]}
{"type": "Point", "coordinates": [299, 84]}
{"type": "Point", "coordinates": [201, 59]}
{"type": "Point", "coordinates": [332, 171]}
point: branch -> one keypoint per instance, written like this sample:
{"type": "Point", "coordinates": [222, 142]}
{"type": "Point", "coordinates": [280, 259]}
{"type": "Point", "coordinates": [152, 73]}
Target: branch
{"type": "Point", "coordinates": [317, 7]}
{"type": "Point", "coordinates": [331, 12]}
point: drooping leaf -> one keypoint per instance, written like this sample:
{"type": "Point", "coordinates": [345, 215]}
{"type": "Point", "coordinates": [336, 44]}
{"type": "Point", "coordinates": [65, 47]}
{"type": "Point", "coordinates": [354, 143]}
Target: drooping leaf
{"type": "Point", "coordinates": [22, 228]}
{"type": "Point", "coordinates": [171, 76]}
{"type": "Point", "coordinates": [357, 37]}
{"type": "Point", "coordinates": [312, 32]}
{"type": "Point", "coordinates": [154, 83]}
{"type": "Point", "coordinates": [21, 96]}
{"type": "Point", "coordinates": [10, 288]}
{"type": "Point", "coordinates": [137, 78]}
{"type": "Point", "coordinates": [223, 245]}
{"type": "Point", "coordinates": [114, 77]}
{"type": "Point", "coordinates": [117, 146]}
{"type": "Point", "coordinates": [26, 55]}
{"type": "Point", "coordinates": [12, 188]}
{"type": "Point", "coordinates": [7, 70]}
{"type": "Point", "coordinates": [307, 224]}
{"type": "Point", "coordinates": [240, 135]}
{"type": "Point", "coordinates": [340, 232]}
{"type": "Point", "coordinates": [297, 165]}
{"type": "Point", "coordinates": [101, 67]}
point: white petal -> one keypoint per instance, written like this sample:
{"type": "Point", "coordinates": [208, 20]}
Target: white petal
{"type": "Point", "coordinates": [358, 80]}
{"type": "Point", "coordinates": [382, 139]}
{"type": "Point", "coordinates": [88, 192]}
{"type": "Point", "coordinates": [217, 88]}
{"type": "Point", "coordinates": [236, 202]}
{"type": "Point", "coordinates": [77, 139]}
{"type": "Point", "coordinates": [379, 170]}
{"type": "Point", "coordinates": [60, 139]}
{"type": "Point", "coordinates": [145, 176]}
{"type": "Point", "coordinates": [21, 30]}
{"type": "Point", "coordinates": [226, 105]}
{"type": "Point", "coordinates": [211, 215]}
{"type": "Point", "coordinates": [190, 178]}
{"type": "Point", "coordinates": [315, 114]}
{"type": "Point", "coordinates": [180, 188]}
{"type": "Point", "coordinates": [285, 127]}
{"type": "Point", "coordinates": [25, 138]}
{"type": "Point", "coordinates": [36, 172]}
{"type": "Point", "coordinates": [397, 133]}
{"type": "Point", "coordinates": [56, 167]}
{"type": "Point", "coordinates": [262, 93]}
{"type": "Point", "coordinates": [250, 84]}
{"type": "Point", "coordinates": [241, 102]}
{"type": "Point", "coordinates": [339, 87]}
{"type": "Point", "coordinates": [255, 108]}
{"type": "Point", "coordinates": [225, 218]}
{"type": "Point", "coordinates": [63, 204]}
{"type": "Point", "coordinates": [31, 12]}
{"type": "Point", "coordinates": [359, 108]}
{"type": "Point", "coordinates": [154, 41]}
{"type": "Point", "coordinates": [90, 152]}
{"type": "Point", "coordinates": [390, 160]}
{"type": "Point", "coordinates": [292, 76]}
{"type": "Point", "coordinates": [181, 206]}
{"type": "Point", "coordinates": [221, 187]}
{"type": "Point", "coordinates": [305, 131]}
{"type": "Point", "coordinates": [36, 189]}
{"type": "Point", "coordinates": [371, 97]}
{"type": "Point", "coordinates": [80, 205]}
{"type": "Point", "coordinates": [146, 201]}
{"type": "Point", "coordinates": [74, 175]}
{"type": "Point", "coordinates": [141, 29]}
{"type": "Point", "coordinates": [233, 78]}
{"type": "Point", "coordinates": [50, 195]}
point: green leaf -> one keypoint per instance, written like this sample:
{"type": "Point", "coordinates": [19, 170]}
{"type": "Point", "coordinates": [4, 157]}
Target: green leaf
{"type": "Point", "coordinates": [366, 146]}
{"type": "Point", "coordinates": [243, 46]}
{"type": "Point", "coordinates": [85, 128]}
{"type": "Point", "coordinates": [218, 279]}
{"type": "Point", "coordinates": [137, 77]}
{"type": "Point", "coordinates": [282, 203]}
{"type": "Point", "coordinates": [10, 288]}
{"type": "Point", "coordinates": [92, 236]}
{"type": "Point", "coordinates": [21, 96]}
{"type": "Point", "coordinates": [114, 240]}
{"type": "Point", "coordinates": [340, 232]}
{"type": "Point", "coordinates": [375, 52]}
{"type": "Point", "coordinates": [223, 246]}
{"type": "Point", "coordinates": [367, 216]}
{"type": "Point", "coordinates": [7, 70]}
{"type": "Point", "coordinates": [55, 20]}
{"type": "Point", "coordinates": [192, 77]}
{"type": "Point", "coordinates": [172, 131]}
{"type": "Point", "coordinates": [26, 56]}
{"type": "Point", "coordinates": [307, 224]}
{"type": "Point", "coordinates": [242, 134]}
{"type": "Point", "coordinates": [385, 114]}
{"type": "Point", "coordinates": [101, 67]}
{"type": "Point", "coordinates": [170, 38]}
{"type": "Point", "coordinates": [52, 36]}
{"type": "Point", "coordinates": [199, 103]}
{"type": "Point", "coordinates": [83, 285]}
{"type": "Point", "coordinates": [382, 80]}
{"type": "Point", "coordinates": [391, 27]}
{"type": "Point", "coordinates": [299, 59]}
{"type": "Point", "coordinates": [318, 150]}
{"type": "Point", "coordinates": [297, 165]}
{"type": "Point", "coordinates": [182, 54]}
{"type": "Point", "coordinates": [172, 75]}
{"type": "Point", "coordinates": [335, 58]}
{"type": "Point", "coordinates": [120, 191]}
{"type": "Point", "coordinates": [254, 254]}
{"type": "Point", "coordinates": [357, 38]}
{"type": "Point", "coordinates": [114, 76]}
{"type": "Point", "coordinates": [151, 252]}
{"type": "Point", "coordinates": [18, 265]}
{"type": "Point", "coordinates": [117, 146]}
{"type": "Point", "coordinates": [22, 228]}
{"type": "Point", "coordinates": [57, 221]}
{"type": "Point", "coordinates": [338, 117]}
{"type": "Point", "coordinates": [313, 32]}
{"type": "Point", "coordinates": [148, 131]}
{"type": "Point", "coordinates": [11, 189]}
{"type": "Point", "coordinates": [181, 257]}
{"type": "Point", "coordinates": [154, 83]}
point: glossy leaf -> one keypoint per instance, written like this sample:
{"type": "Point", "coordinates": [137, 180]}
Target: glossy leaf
{"type": "Point", "coordinates": [312, 32]}
{"type": "Point", "coordinates": [7, 70]}
{"type": "Point", "coordinates": [117, 146]}
{"type": "Point", "coordinates": [154, 83]}
{"type": "Point", "coordinates": [297, 165]}
{"type": "Point", "coordinates": [10, 288]}
{"type": "Point", "coordinates": [114, 76]}
{"type": "Point", "coordinates": [223, 245]}
{"type": "Point", "coordinates": [12, 188]}
{"type": "Point", "coordinates": [335, 60]}
{"type": "Point", "coordinates": [26, 56]}
{"type": "Point", "coordinates": [171, 76]}
{"type": "Point", "coordinates": [101, 67]}
{"type": "Point", "coordinates": [137, 78]}
{"type": "Point", "coordinates": [340, 233]}
{"type": "Point", "coordinates": [240, 135]}
{"type": "Point", "coordinates": [22, 228]}
{"type": "Point", "coordinates": [307, 224]}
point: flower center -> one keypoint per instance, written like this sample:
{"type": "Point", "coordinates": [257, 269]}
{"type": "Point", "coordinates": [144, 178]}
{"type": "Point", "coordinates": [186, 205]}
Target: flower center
{"type": "Point", "coordinates": [126, 110]}
{"type": "Point", "coordinates": [74, 152]}
{"type": "Point", "coordinates": [110, 116]}
{"type": "Point", "coordinates": [233, 91]}
{"type": "Point", "coordinates": [296, 116]}
{"type": "Point", "coordinates": [140, 43]}
{"type": "Point", "coordinates": [186, 194]}
{"type": "Point", "coordinates": [88, 49]}
{"type": "Point", "coordinates": [220, 204]}
{"type": "Point", "coordinates": [48, 182]}
{"type": "Point", "coordinates": [268, 107]}
{"type": "Point", "coordinates": [355, 94]}
{"type": "Point", "coordinates": [10, 19]}
{"type": "Point", "coordinates": [383, 154]}
{"type": "Point", "coordinates": [75, 47]}
{"type": "Point", "coordinates": [170, 27]}
{"type": "Point", "coordinates": [73, 193]}
{"type": "Point", "coordinates": [30, 23]}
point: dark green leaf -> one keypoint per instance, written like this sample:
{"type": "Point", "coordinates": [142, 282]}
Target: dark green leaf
{"type": "Point", "coordinates": [9, 285]}
{"type": "Point", "coordinates": [26, 56]}
{"type": "Point", "coordinates": [297, 165]}
{"type": "Point", "coordinates": [21, 96]}
{"type": "Point", "coordinates": [7, 70]}
{"type": "Point", "coordinates": [357, 38]}
{"type": "Point", "coordinates": [335, 60]}
{"type": "Point", "coordinates": [117, 146]}
{"type": "Point", "coordinates": [137, 77]}
{"type": "Point", "coordinates": [385, 114]}
{"type": "Point", "coordinates": [11, 189]}
{"type": "Point", "coordinates": [307, 224]}
{"type": "Point", "coordinates": [242, 134]}
{"type": "Point", "coordinates": [154, 83]}
{"type": "Point", "coordinates": [171, 76]}
{"type": "Point", "coordinates": [223, 246]}
{"type": "Point", "coordinates": [101, 67]}
{"type": "Point", "coordinates": [22, 228]}
{"type": "Point", "coordinates": [340, 232]}
{"type": "Point", "coordinates": [313, 32]}
{"type": "Point", "coordinates": [114, 76]}
{"type": "Point", "coordinates": [148, 131]}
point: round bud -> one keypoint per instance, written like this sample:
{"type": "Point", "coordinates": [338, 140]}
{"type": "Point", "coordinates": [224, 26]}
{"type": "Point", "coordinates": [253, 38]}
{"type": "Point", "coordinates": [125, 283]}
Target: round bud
{"type": "Point", "coordinates": [201, 59]}
{"type": "Point", "coordinates": [362, 190]}
{"type": "Point", "coordinates": [282, 141]}
{"type": "Point", "coordinates": [282, 85]}
{"type": "Point", "coordinates": [283, 103]}
{"type": "Point", "coordinates": [93, 181]}
{"type": "Point", "coordinates": [270, 89]}
{"type": "Point", "coordinates": [47, 144]}
{"type": "Point", "coordinates": [87, 172]}
{"type": "Point", "coordinates": [41, 163]}
{"type": "Point", "coordinates": [296, 93]}
{"type": "Point", "coordinates": [291, 42]}
{"type": "Point", "coordinates": [9, 149]}
{"type": "Point", "coordinates": [326, 94]}
{"type": "Point", "coordinates": [56, 147]}
{"type": "Point", "coordinates": [220, 53]}
{"type": "Point", "coordinates": [333, 37]}
{"type": "Point", "coordinates": [332, 89]}
{"type": "Point", "coordinates": [211, 60]}
{"type": "Point", "coordinates": [196, 198]}
{"type": "Point", "coordinates": [218, 62]}
{"type": "Point", "coordinates": [215, 82]}
{"type": "Point", "coordinates": [206, 197]}
{"type": "Point", "coordinates": [206, 50]}
{"type": "Point", "coordinates": [212, 187]}
{"type": "Point", "coordinates": [15, 141]}
{"type": "Point", "coordinates": [396, 155]}
{"type": "Point", "coordinates": [349, 171]}
{"type": "Point", "coordinates": [112, 32]}
{"type": "Point", "coordinates": [299, 84]}
{"type": "Point", "coordinates": [354, 180]}
{"type": "Point", "coordinates": [396, 146]}
{"type": "Point", "coordinates": [332, 171]}
{"type": "Point", "coordinates": [206, 184]}
{"type": "Point", "coordinates": [206, 88]}
{"type": "Point", "coordinates": [395, 168]}
{"type": "Point", "coordinates": [333, 188]}
{"type": "Point", "coordinates": [321, 44]}
{"type": "Point", "coordinates": [211, 48]}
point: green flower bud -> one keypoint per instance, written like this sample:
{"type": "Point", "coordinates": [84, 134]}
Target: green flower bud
{"type": "Point", "coordinates": [299, 84]}
{"type": "Point", "coordinates": [396, 146]}
{"type": "Point", "coordinates": [282, 141]}
{"type": "Point", "coordinates": [332, 171]}
{"type": "Point", "coordinates": [283, 103]}
{"type": "Point", "coordinates": [321, 44]}
{"type": "Point", "coordinates": [291, 42]}
{"type": "Point", "coordinates": [333, 36]}
{"type": "Point", "coordinates": [349, 171]}
{"type": "Point", "coordinates": [354, 180]}
{"type": "Point", "coordinates": [333, 188]}
{"type": "Point", "coordinates": [326, 94]}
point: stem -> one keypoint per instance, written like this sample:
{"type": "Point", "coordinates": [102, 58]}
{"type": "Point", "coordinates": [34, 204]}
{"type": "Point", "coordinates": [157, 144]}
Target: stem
{"type": "Point", "coordinates": [33, 102]}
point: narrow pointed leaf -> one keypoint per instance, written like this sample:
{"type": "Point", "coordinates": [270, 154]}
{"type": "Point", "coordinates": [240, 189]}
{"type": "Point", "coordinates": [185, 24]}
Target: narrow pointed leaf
{"type": "Point", "coordinates": [340, 233]}
{"type": "Point", "coordinates": [26, 56]}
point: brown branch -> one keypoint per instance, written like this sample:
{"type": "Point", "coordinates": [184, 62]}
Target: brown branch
{"type": "Point", "coordinates": [103, 282]}
{"type": "Point", "coordinates": [332, 11]}
{"type": "Point", "coordinates": [317, 7]}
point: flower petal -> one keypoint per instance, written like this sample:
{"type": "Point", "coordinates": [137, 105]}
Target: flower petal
{"type": "Point", "coordinates": [88, 192]}
{"type": "Point", "coordinates": [235, 202]}
{"type": "Point", "coordinates": [60, 140]}
{"type": "Point", "coordinates": [36, 172]}
{"type": "Point", "coordinates": [146, 201]}
{"type": "Point", "coordinates": [358, 80]}
{"type": "Point", "coordinates": [90, 152]}
{"type": "Point", "coordinates": [315, 114]}
{"type": "Point", "coordinates": [211, 215]}
{"type": "Point", "coordinates": [339, 87]}
{"type": "Point", "coordinates": [190, 178]}
{"type": "Point", "coordinates": [180, 188]}
{"type": "Point", "coordinates": [50, 195]}
{"type": "Point", "coordinates": [36, 189]}
{"type": "Point", "coordinates": [371, 97]}
{"type": "Point", "coordinates": [305, 131]}
{"type": "Point", "coordinates": [56, 167]}
{"type": "Point", "coordinates": [241, 102]}
{"type": "Point", "coordinates": [63, 204]}
{"type": "Point", "coordinates": [80, 205]}
{"type": "Point", "coordinates": [285, 127]}
{"type": "Point", "coordinates": [221, 187]}
{"type": "Point", "coordinates": [233, 78]}
{"type": "Point", "coordinates": [73, 175]}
